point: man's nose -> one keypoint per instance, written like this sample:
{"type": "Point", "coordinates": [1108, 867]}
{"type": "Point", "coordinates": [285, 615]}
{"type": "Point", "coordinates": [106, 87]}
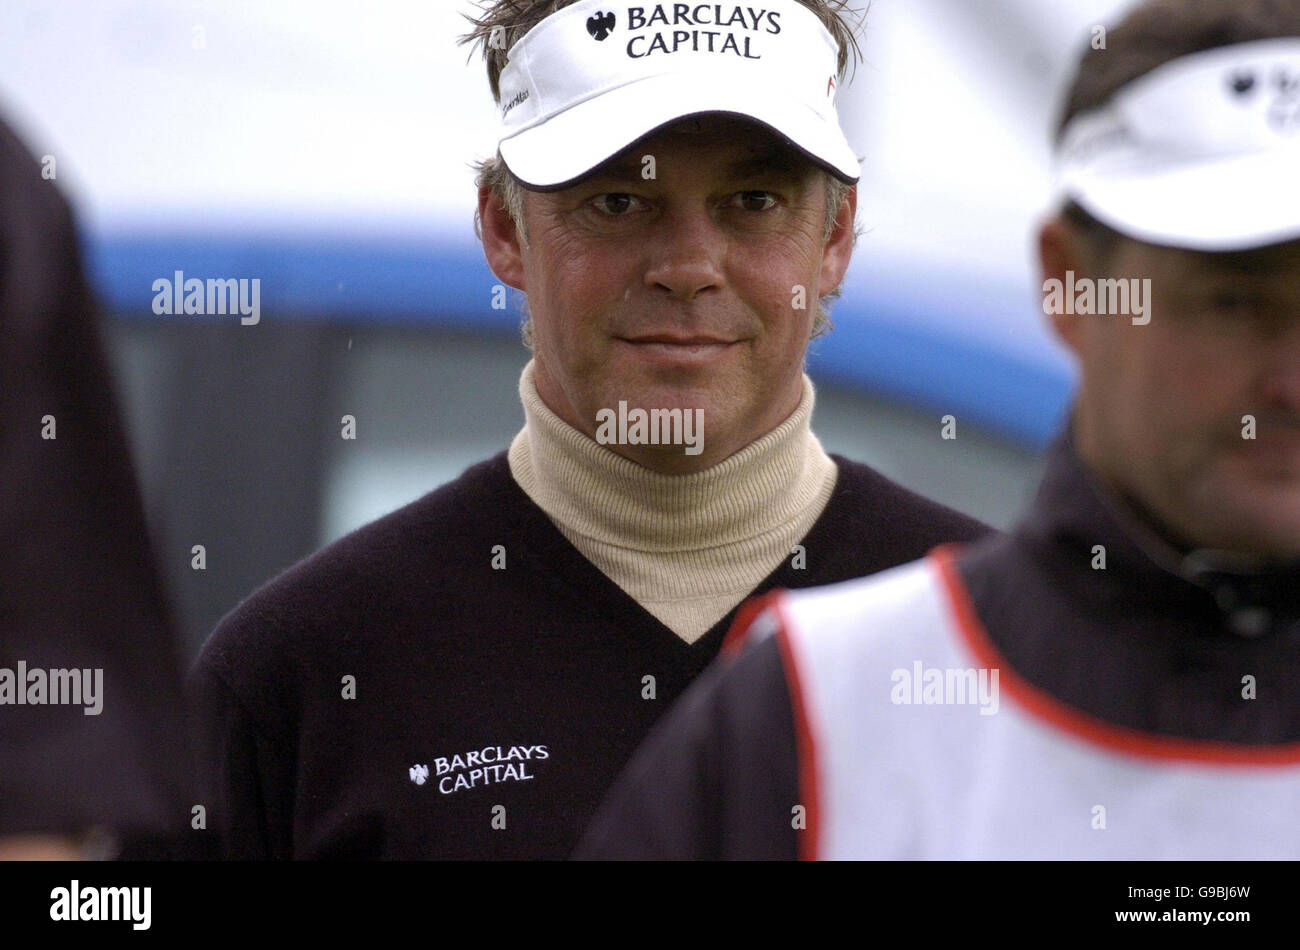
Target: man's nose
{"type": "Point", "coordinates": [686, 254]}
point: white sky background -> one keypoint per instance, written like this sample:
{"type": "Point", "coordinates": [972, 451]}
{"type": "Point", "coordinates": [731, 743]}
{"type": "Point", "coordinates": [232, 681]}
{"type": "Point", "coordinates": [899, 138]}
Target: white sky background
{"type": "Point", "coordinates": [324, 112]}
{"type": "Point", "coordinates": [352, 116]}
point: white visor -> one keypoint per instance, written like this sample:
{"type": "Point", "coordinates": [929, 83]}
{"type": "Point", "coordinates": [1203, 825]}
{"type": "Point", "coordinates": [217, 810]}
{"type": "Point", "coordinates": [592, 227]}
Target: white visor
{"type": "Point", "coordinates": [1200, 153]}
{"type": "Point", "coordinates": [596, 76]}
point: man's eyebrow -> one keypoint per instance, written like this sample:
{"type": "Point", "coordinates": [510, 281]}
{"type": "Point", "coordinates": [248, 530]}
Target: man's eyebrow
{"type": "Point", "coordinates": [1251, 263]}
{"type": "Point", "coordinates": [777, 161]}
{"type": "Point", "coordinates": [620, 169]}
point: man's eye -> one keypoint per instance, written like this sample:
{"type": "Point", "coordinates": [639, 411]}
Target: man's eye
{"type": "Point", "coordinates": [1236, 303]}
{"type": "Point", "coordinates": [748, 200]}
{"type": "Point", "coordinates": [614, 204]}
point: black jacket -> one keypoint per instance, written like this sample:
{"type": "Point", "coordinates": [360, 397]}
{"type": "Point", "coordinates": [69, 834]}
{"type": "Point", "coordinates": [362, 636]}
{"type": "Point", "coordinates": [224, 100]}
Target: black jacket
{"type": "Point", "coordinates": [78, 586]}
{"type": "Point", "coordinates": [1153, 642]}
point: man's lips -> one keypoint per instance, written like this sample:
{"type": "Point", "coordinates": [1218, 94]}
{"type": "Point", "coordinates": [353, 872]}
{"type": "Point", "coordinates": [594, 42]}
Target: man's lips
{"type": "Point", "coordinates": [669, 349]}
{"type": "Point", "coordinates": [672, 340]}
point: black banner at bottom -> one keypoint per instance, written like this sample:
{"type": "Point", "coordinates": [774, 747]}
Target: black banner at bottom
{"type": "Point", "coordinates": [178, 899]}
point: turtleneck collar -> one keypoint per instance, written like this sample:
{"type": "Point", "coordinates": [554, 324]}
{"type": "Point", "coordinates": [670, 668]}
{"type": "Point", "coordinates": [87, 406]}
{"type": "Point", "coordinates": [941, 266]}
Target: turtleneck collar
{"type": "Point", "coordinates": [598, 494]}
{"type": "Point", "coordinates": [687, 548]}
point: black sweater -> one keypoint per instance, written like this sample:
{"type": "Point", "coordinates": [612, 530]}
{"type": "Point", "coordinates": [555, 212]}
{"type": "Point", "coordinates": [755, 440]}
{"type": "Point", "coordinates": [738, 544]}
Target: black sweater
{"type": "Point", "coordinates": [395, 695]}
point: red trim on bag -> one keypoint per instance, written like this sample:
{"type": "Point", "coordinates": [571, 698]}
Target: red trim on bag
{"type": "Point", "coordinates": [805, 740]}
{"type": "Point", "coordinates": [1066, 718]}
{"type": "Point", "coordinates": [738, 632]}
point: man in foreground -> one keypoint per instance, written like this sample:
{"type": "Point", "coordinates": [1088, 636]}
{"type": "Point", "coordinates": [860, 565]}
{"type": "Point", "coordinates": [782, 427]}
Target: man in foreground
{"type": "Point", "coordinates": [465, 677]}
{"type": "Point", "coordinates": [1118, 677]}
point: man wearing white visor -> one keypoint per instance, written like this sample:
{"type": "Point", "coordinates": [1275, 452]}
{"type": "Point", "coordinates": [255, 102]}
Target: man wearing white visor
{"type": "Point", "coordinates": [1119, 677]}
{"type": "Point", "coordinates": [465, 677]}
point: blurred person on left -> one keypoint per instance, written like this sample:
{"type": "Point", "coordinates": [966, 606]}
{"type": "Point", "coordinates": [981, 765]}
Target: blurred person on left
{"type": "Point", "coordinates": [92, 749]}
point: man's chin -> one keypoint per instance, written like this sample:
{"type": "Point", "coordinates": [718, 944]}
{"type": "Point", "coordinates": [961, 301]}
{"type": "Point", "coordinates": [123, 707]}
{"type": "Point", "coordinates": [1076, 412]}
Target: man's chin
{"type": "Point", "coordinates": [1259, 516]}
{"type": "Point", "coordinates": [656, 387]}
{"type": "Point", "coordinates": [1261, 469]}
{"type": "Point", "coordinates": [687, 369]}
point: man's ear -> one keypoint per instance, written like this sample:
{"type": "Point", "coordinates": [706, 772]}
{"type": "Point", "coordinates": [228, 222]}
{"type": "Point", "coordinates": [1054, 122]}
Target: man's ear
{"type": "Point", "coordinates": [500, 240]}
{"type": "Point", "coordinates": [1061, 250]}
{"type": "Point", "coordinates": [839, 246]}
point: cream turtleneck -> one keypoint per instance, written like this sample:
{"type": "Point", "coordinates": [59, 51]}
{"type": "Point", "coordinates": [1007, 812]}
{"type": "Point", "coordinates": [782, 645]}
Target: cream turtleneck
{"type": "Point", "coordinates": [688, 548]}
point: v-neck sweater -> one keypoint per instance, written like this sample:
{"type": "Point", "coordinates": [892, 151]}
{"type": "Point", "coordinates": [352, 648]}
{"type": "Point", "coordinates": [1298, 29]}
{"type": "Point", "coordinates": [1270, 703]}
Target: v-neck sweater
{"type": "Point", "coordinates": [456, 680]}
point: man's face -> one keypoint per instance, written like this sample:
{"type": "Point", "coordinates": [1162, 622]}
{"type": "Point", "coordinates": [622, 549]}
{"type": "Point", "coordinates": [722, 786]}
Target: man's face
{"type": "Point", "coordinates": [694, 289]}
{"type": "Point", "coordinates": [1161, 407]}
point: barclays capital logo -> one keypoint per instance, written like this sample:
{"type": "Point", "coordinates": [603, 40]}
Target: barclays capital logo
{"type": "Point", "coordinates": [600, 24]}
{"type": "Point", "coordinates": [1281, 86]}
